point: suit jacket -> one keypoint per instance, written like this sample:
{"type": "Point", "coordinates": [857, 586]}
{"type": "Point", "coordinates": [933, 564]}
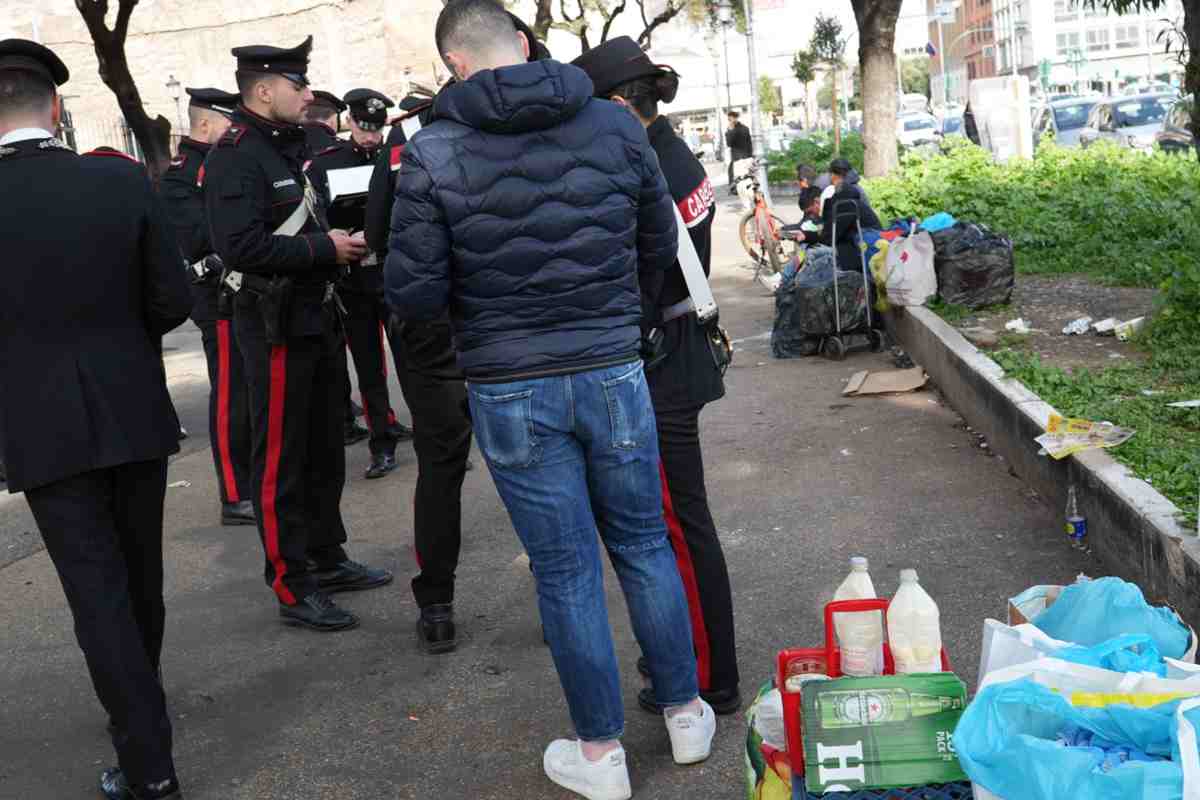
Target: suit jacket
{"type": "Point", "coordinates": [93, 278]}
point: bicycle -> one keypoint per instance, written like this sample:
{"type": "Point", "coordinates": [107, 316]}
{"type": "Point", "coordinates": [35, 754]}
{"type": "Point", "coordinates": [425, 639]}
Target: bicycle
{"type": "Point", "coordinates": [759, 229]}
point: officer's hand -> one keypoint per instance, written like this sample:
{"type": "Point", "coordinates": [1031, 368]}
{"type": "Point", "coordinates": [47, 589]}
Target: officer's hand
{"type": "Point", "coordinates": [349, 248]}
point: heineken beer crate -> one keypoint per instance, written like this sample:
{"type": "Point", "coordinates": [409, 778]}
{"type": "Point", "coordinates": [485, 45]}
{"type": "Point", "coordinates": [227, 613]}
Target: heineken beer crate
{"type": "Point", "coordinates": [795, 665]}
{"type": "Point", "coordinates": [882, 732]}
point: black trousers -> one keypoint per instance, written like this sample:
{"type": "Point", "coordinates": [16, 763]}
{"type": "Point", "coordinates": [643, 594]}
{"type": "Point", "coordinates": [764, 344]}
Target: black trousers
{"type": "Point", "coordinates": [436, 394]}
{"type": "Point", "coordinates": [364, 323]}
{"type": "Point", "coordinates": [698, 551]}
{"type": "Point", "coordinates": [298, 456]}
{"type": "Point", "coordinates": [103, 531]}
{"type": "Point", "coordinates": [228, 410]}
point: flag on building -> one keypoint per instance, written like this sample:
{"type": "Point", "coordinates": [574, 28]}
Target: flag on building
{"type": "Point", "coordinates": [930, 49]}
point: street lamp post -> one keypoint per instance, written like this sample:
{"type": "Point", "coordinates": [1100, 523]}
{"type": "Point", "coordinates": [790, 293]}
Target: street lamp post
{"type": "Point", "coordinates": [710, 39]}
{"type": "Point", "coordinates": [725, 19]}
{"type": "Point", "coordinates": [173, 88]}
{"type": "Point", "coordinates": [725, 15]}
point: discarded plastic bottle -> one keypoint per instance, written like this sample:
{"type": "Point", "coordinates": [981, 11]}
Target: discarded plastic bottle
{"type": "Point", "coordinates": [914, 629]}
{"type": "Point", "coordinates": [859, 634]}
{"type": "Point", "coordinates": [1076, 522]}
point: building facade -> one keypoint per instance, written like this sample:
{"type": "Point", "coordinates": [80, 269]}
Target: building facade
{"type": "Point", "coordinates": [1062, 46]}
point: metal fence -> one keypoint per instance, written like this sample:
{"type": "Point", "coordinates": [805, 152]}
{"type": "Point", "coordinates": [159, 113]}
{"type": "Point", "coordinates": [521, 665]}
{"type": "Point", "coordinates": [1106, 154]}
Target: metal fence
{"type": "Point", "coordinates": [83, 134]}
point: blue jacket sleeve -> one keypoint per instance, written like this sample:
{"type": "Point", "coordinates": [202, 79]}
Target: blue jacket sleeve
{"type": "Point", "coordinates": [417, 271]}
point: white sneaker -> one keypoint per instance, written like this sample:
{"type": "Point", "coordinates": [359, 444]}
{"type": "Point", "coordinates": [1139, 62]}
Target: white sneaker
{"type": "Point", "coordinates": [692, 734]}
{"type": "Point", "coordinates": [606, 779]}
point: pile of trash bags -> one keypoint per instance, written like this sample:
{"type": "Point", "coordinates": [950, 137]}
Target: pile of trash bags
{"type": "Point", "coordinates": [805, 306]}
{"type": "Point", "coordinates": [974, 265]}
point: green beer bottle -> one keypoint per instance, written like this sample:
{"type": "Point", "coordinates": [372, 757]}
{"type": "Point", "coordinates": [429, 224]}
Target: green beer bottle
{"type": "Point", "coordinates": [861, 708]}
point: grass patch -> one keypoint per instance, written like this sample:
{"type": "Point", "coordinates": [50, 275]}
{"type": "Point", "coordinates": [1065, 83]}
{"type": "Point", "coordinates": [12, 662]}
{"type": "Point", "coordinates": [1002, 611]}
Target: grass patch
{"type": "Point", "coordinates": [954, 313]}
{"type": "Point", "coordinates": [1165, 451]}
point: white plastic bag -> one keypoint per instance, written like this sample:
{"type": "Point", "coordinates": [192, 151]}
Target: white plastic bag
{"type": "Point", "coordinates": [1010, 645]}
{"type": "Point", "coordinates": [911, 279]}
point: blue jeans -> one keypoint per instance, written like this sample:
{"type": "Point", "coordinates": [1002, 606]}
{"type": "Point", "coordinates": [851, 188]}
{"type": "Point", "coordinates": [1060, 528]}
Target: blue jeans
{"type": "Point", "coordinates": [572, 455]}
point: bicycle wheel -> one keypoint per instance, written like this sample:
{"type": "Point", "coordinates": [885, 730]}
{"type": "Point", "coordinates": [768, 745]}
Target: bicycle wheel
{"type": "Point", "coordinates": [747, 232]}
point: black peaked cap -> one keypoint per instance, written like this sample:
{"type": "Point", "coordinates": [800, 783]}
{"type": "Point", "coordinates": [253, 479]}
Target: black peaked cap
{"type": "Point", "coordinates": [274, 60]}
{"type": "Point", "coordinates": [368, 107]}
{"type": "Point", "coordinates": [619, 61]}
{"type": "Point", "coordinates": [214, 100]}
{"type": "Point", "coordinates": [33, 57]}
{"type": "Point", "coordinates": [324, 98]}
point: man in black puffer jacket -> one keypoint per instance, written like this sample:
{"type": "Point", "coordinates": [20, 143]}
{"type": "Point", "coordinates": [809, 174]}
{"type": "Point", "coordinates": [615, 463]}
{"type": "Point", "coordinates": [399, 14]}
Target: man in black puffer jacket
{"type": "Point", "coordinates": [530, 211]}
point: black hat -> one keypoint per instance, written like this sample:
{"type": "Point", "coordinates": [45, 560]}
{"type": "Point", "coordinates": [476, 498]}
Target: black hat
{"type": "Point", "coordinates": [33, 57]}
{"type": "Point", "coordinates": [323, 98]}
{"type": "Point", "coordinates": [368, 108]}
{"type": "Point", "coordinates": [291, 63]}
{"type": "Point", "coordinates": [214, 100]}
{"type": "Point", "coordinates": [619, 61]}
{"type": "Point", "coordinates": [537, 50]}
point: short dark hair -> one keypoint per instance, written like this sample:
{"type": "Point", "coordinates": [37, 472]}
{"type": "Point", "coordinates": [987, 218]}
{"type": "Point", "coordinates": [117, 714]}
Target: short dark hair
{"type": "Point", "coordinates": [840, 167]}
{"type": "Point", "coordinates": [644, 94]}
{"type": "Point", "coordinates": [809, 195]}
{"type": "Point", "coordinates": [805, 172]}
{"type": "Point", "coordinates": [246, 81]}
{"type": "Point", "coordinates": [734, 114]}
{"type": "Point", "coordinates": [24, 92]}
{"type": "Point", "coordinates": [474, 25]}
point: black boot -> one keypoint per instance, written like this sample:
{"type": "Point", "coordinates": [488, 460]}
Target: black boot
{"type": "Point", "coordinates": [353, 432]}
{"type": "Point", "coordinates": [435, 629]}
{"type": "Point", "coordinates": [381, 464]}
{"type": "Point", "coordinates": [318, 612]}
{"type": "Point", "coordinates": [349, 576]}
{"type": "Point", "coordinates": [240, 513]}
{"type": "Point", "coordinates": [114, 787]}
{"type": "Point", "coordinates": [723, 701]}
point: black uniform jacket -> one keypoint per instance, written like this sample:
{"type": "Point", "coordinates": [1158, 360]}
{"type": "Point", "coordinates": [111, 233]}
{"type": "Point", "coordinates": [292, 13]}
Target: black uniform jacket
{"type": "Point", "coordinates": [93, 278]}
{"type": "Point", "coordinates": [688, 377]}
{"type": "Point", "coordinates": [348, 216]}
{"type": "Point", "coordinates": [253, 182]}
{"type": "Point", "coordinates": [182, 189]}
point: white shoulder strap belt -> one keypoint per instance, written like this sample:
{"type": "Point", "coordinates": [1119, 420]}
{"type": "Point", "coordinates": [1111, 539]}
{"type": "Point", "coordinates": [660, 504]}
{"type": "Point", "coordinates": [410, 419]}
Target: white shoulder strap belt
{"type": "Point", "coordinates": [700, 292]}
{"type": "Point", "coordinates": [289, 227]}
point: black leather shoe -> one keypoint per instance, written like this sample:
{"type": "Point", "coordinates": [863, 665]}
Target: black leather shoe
{"type": "Point", "coordinates": [240, 513]}
{"type": "Point", "coordinates": [114, 786]}
{"type": "Point", "coordinates": [381, 464]}
{"type": "Point", "coordinates": [353, 432]}
{"type": "Point", "coordinates": [435, 629]}
{"type": "Point", "coordinates": [723, 701]}
{"type": "Point", "coordinates": [318, 611]}
{"type": "Point", "coordinates": [401, 432]}
{"type": "Point", "coordinates": [350, 576]}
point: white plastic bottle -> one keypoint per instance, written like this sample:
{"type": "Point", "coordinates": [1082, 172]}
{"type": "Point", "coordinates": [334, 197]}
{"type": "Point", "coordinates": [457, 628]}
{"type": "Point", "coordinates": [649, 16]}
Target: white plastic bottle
{"type": "Point", "coordinates": [914, 628]}
{"type": "Point", "coordinates": [860, 636]}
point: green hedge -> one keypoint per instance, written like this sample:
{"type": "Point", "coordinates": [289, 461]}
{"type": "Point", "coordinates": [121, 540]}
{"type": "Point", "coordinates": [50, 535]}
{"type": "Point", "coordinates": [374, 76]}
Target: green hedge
{"type": "Point", "coordinates": [816, 151]}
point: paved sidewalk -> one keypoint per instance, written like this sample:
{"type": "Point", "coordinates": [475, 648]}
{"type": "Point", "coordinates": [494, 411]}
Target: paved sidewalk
{"type": "Point", "coordinates": [800, 479]}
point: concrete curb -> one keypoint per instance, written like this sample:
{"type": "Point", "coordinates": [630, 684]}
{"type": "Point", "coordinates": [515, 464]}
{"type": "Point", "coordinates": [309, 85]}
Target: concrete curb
{"type": "Point", "coordinates": [1132, 528]}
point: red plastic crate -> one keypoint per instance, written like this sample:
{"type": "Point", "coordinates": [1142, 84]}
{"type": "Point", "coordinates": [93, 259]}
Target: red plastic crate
{"type": "Point", "coordinates": [823, 661]}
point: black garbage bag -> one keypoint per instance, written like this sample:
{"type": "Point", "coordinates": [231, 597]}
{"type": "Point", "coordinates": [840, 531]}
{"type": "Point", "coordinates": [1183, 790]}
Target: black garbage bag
{"type": "Point", "coordinates": [974, 266]}
{"type": "Point", "coordinates": [805, 309]}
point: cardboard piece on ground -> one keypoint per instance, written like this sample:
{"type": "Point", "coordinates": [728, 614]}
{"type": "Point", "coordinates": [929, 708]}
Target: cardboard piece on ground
{"type": "Point", "coordinates": [886, 382]}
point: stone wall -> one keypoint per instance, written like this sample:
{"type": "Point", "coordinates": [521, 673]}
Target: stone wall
{"type": "Point", "coordinates": [374, 43]}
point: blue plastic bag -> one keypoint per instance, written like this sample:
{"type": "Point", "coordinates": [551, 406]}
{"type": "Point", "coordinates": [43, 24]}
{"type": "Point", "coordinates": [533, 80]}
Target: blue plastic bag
{"type": "Point", "coordinates": [1008, 742]}
{"type": "Point", "coordinates": [1128, 653]}
{"type": "Point", "coordinates": [938, 222]}
{"type": "Point", "coordinates": [1093, 612]}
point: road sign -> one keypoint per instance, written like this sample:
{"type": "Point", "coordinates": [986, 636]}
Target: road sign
{"type": "Point", "coordinates": [945, 12]}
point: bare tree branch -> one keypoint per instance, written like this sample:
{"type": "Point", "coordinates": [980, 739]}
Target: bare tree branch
{"type": "Point", "coordinates": [669, 13]}
{"type": "Point", "coordinates": [608, 21]}
{"type": "Point", "coordinates": [124, 12]}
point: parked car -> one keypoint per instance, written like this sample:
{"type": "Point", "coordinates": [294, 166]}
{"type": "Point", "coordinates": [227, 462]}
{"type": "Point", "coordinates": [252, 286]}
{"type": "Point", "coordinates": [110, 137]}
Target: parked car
{"type": "Point", "coordinates": [1177, 134]}
{"type": "Point", "coordinates": [1063, 120]}
{"type": "Point", "coordinates": [1128, 121]}
{"type": "Point", "coordinates": [913, 130]}
{"type": "Point", "coordinates": [913, 103]}
{"type": "Point", "coordinates": [953, 126]}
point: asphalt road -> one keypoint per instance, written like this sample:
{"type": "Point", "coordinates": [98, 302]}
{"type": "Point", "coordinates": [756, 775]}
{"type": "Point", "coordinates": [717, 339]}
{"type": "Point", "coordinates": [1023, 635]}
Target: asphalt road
{"type": "Point", "coordinates": [799, 477]}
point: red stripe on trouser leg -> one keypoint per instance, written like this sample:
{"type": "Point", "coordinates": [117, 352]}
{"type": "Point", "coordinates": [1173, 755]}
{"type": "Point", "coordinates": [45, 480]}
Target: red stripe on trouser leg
{"type": "Point", "coordinates": [271, 474]}
{"type": "Point", "coordinates": [227, 474]}
{"type": "Point", "coordinates": [687, 571]}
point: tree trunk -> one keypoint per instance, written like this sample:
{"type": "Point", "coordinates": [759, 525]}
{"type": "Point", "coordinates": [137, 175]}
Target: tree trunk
{"type": "Point", "coordinates": [541, 23]}
{"type": "Point", "coordinates": [807, 115]}
{"type": "Point", "coordinates": [877, 62]}
{"type": "Point", "coordinates": [1191, 80]}
{"type": "Point", "coordinates": [153, 135]}
{"type": "Point", "coordinates": [837, 126]}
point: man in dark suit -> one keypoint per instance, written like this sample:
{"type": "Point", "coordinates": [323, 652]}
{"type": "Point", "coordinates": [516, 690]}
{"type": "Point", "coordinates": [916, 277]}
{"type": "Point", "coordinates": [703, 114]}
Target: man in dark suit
{"type": "Point", "coordinates": [740, 144]}
{"type": "Point", "coordinates": [93, 278]}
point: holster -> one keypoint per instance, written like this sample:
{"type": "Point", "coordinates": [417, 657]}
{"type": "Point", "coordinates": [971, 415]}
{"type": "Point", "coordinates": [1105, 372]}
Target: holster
{"type": "Point", "coordinates": [274, 303]}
